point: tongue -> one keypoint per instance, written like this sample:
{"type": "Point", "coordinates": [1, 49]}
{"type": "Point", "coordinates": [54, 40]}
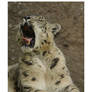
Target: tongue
{"type": "Point", "coordinates": [27, 40]}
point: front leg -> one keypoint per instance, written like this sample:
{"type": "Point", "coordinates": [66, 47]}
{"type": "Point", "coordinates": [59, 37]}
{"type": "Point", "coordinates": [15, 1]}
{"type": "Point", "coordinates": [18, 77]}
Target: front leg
{"type": "Point", "coordinates": [31, 75]}
{"type": "Point", "coordinates": [12, 77]}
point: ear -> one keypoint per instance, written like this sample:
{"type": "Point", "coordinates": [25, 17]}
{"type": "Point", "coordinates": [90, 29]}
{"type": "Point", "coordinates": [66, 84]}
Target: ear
{"type": "Point", "coordinates": [55, 28]}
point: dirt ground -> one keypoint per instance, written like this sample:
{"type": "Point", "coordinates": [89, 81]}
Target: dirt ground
{"type": "Point", "coordinates": [70, 40]}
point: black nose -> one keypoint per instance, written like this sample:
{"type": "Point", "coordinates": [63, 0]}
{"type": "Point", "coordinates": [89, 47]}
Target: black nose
{"type": "Point", "coordinates": [27, 17]}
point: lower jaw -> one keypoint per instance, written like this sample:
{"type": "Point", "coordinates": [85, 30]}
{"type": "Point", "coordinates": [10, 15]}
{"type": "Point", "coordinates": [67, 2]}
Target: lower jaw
{"type": "Point", "coordinates": [26, 49]}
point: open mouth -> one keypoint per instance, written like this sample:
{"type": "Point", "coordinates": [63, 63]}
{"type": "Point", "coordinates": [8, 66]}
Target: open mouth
{"type": "Point", "coordinates": [28, 35]}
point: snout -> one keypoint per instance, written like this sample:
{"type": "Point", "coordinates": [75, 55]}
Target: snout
{"type": "Point", "coordinates": [28, 32]}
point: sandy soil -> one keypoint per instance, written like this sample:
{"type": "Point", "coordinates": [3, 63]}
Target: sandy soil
{"type": "Point", "coordinates": [70, 40]}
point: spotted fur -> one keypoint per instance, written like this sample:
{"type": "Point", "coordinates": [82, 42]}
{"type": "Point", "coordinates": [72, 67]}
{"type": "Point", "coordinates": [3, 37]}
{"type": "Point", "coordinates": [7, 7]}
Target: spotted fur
{"type": "Point", "coordinates": [54, 63]}
{"type": "Point", "coordinates": [42, 67]}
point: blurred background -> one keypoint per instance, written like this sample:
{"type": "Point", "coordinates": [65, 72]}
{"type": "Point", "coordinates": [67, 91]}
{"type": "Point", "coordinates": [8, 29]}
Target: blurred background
{"type": "Point", "coordinates": [70, 40]}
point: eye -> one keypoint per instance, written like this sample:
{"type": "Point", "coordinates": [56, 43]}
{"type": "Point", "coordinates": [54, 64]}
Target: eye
{"type": "Point", "coordinates": [27, 17]}
{"type": "Point", "coordinates": [54, 29]}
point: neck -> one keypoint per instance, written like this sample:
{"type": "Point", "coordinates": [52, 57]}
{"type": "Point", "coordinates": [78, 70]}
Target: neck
{"type": "Point", "coordinates": [43, 52]}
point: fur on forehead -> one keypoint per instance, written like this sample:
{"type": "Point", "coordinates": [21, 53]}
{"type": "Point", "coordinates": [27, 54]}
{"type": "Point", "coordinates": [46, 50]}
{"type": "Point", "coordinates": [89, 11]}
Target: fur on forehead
{"type": "Point", "coordinates": [34, 18]}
